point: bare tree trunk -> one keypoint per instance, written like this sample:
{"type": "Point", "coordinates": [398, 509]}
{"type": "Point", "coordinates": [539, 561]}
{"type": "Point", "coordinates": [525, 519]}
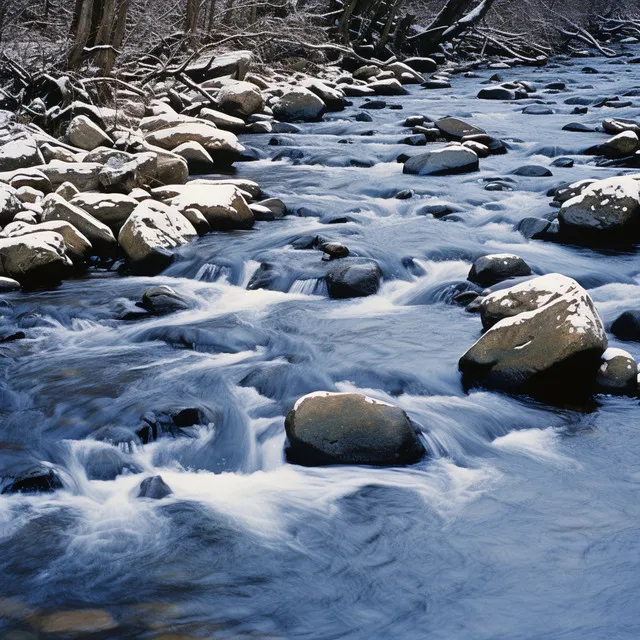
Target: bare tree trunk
{"type": "Point", "coordinates": [192, 15]}
{"type": "Point", "coordinates": [212, 13]}
{"type": "Point", "coordinates": [393, 12]}
{"type": "Point", "coordinates": [80, 31]}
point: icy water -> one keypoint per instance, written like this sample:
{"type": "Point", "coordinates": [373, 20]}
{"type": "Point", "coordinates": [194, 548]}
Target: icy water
{"type": "Point", "coordinates": [523, 522]}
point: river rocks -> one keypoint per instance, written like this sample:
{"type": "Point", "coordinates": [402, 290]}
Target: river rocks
{"type": "Point", "coordinates": [298, 104]}
{"type": "Point", "coordinates": [423, 65]}
{"type": "Point", "coordinates": [537, 110]}
{"type": "Point", "coordinates": [198, 158]}
{"type": "Point", "coordinates": [7, 285]}
{"type": "Point", "coordinates": [618, 125]}
{"type": "Point", "coordinates": [112, 209]}
{"type": "Point", "coordinates": [334, 250]}
{"type": "Point", "coordinates": [154, 488]}
{"type": "Point", "coordinates": [151, 233]}
{"type": "Point", "coordinates": [618, 373]}
{"type": "Point", "coordinates": [9, 204]}
{"type": "Point", "coordinates": [491, 269]}
{"type": "Point", "coordinates": [20, 154]}
{"type": "Point", "coordinates": [240, 99]}
{"type": "Point", "coordinates": [222, 205]}
{"type": "Point", "coordinates": [82, 175]}
{"type": "Point", "coordinates": [223, 120]}
{"type": "Point", "coordinates": [104, 462]}
{"type": "Point", "coordinates": [543, 333]}
{"type": "Point", "coordinates": [235, 64]}
{"type": "Point", "coordinates": [36, 479]}
{"type": "Point", "coordinates": [627, 326]}
{"type": "Point", "coordinates": [497, 93]}
{"type": "Point", "coordinates": [349, 428]}
{"type": "Point", "coordinates": [85, 134]}
{"type": "Point", "coordinates": [35, 258]}
{"type": "Point", "coordinates": [354, 280]}
{"type": "Point", "coordinates": [389, 87]}
{"type": "Point", "coordinates": [456, 129]}
{"type": "Point", "coordinates": [620, 146]}
{"type": "Point", "coordinates": [333, 98]}
{"type": "Point", "coordinates": [449, 160]}
{"type": "Point", "coordinates": [162, 300]}
{"type": "Point", "coordinates": [602, 209]}
{"type": "Point", "coordinates": [77, 245]}
{"type": "Point", "coordinates": [99, 234]}
{"type": "Point", "coordinates": [533, 171]}
{"type": "Point", "coordinates": [222, 145]}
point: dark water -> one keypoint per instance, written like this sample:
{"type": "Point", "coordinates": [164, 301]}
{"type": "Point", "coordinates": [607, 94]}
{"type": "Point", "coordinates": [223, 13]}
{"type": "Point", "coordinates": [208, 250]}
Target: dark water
{"type": "Point", "coordinates": [523, 523]}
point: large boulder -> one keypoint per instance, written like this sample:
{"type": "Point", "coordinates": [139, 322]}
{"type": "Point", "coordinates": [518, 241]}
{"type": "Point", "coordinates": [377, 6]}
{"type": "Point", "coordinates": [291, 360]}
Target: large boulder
{"type": "Point", "coordinates": [489, 270]}
{"type": "Point", "coordinates": [154, 488]}
{"type": "Point", "coordinates": [622, 145]}
{"type": "Point", "coordinates": [222, 145]}
{"type": "Point", "coordinates": [449, 160]}
{"type": "Point", "coordinates": [82, 175]}
{"type": "Point", "coordinates": [333, 98]}
{"type": "Point", "coordinates": [57, 208]}
{"type": "Point", "coordinates": [112, 209]}
{"type": "Point", "coordinates": [388, 87]}
{"type": "Point", "coordinates": [161, 300]}
{"type": "Point", "coordinates": [349, 428]}
{"type": "Point", "coordinates": [35, 258]}
{"type": "Point", "coordinates": [76, 243]}
{"type": "Point", "coordinates": [604, 207]}
{"type": "Point", "coordinates": [206, 66]}
{"type": "Point", "coordinates": [9, 204]}
{"type": "Point", "coordinates": [627, 326]}
{"type": "Point", "coordinates": [19, 154]}
{"type": "Point", "coordinates": [545, 336]}
{"type": "Point", "coordinates": [298, 104]}
{"type": "Point", "coordinates": [222, 205]}
{"type": "Point", "coordinates": [240, 99]}
{"type": "Point", "coordinates": [38, 478]}
{"type": "Point", "coordinates": [354, 280]}
{"type": "Point", "coordinates": [151, 234]}
{"type": "Point", "coordinates": [85, 134]}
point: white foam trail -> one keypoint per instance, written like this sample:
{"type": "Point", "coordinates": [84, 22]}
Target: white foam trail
{"type": "Point", "coordinates": [538, 444]}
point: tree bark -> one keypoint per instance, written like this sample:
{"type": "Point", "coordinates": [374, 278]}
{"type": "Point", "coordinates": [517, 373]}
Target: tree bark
{"type": "Point", "coordinates": [191, 17]}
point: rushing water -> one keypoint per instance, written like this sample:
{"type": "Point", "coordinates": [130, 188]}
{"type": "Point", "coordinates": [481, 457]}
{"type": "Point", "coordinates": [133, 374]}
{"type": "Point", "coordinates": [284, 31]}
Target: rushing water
{"type": "Point", "coordinates": [524, 521]}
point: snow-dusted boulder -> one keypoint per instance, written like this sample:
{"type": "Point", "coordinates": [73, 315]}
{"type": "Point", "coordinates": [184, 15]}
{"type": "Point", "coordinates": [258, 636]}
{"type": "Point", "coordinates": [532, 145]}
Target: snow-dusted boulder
{"type": "Point", "coordinates": [197, 157]}
{"type": "Point", "coordinates": [99, 234]}
{"type": "Point", "coordinates": [621, 145]}
{"type": "Point", "coordinates": [618, 373]}
{"type": "Point", "coordinates": [404, 73]}
{"type": "Point", "coordinates": [82, 175]}
{"type": "Point", "coordinates": [35, 258]}
{"type": "Point", "coordinates": [152, 232]}
{"type": "Point", "coordinates": [449, 160]}
{"type": "Point", "coordinates": [85, 134]}
{"type": "Point", "coordinates": [544, 332]}
{"type": "Point", "coordinates": [8, 284]}
{"type": "Point", "coordinates": [350, 428]}
{"type": "Point", "coordinates": [387, 87]}
{"type": "Point", "coordinates": [222, 145]}
{"type": "Point", "coordinates": [112, 209]}
{"type": "Point", "coordinates": [333, 98]}
{"type": "Point", "coordinates": [222, 120]}
{"type": "Point", "coordinates": [298, 104]}
{"type": "Point", "coordinates": [610, 205]}
{"type": "Point", "coordinates": [222, 205]}
{"type": "Point", "coordinates": [240, 99]}
{"type": "Point", "coordinates": [75, 242]}
{"type": "Point", "coordinates": [489, 270]}
{"type": "Point", "coordinates": [9, 204]}
{"type": "Point", "coordinates": [20, 154]}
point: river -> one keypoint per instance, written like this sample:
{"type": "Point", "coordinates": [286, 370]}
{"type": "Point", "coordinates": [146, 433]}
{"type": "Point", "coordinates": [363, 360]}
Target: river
{"type": "Point", "coordinates": [522, 523]}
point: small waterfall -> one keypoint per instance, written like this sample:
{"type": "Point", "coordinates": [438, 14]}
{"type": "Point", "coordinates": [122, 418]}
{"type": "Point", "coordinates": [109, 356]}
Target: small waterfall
{"type": "Point", "coordinates": [310, 287]}
{"type": "Point", "coordinates": [212, 273]}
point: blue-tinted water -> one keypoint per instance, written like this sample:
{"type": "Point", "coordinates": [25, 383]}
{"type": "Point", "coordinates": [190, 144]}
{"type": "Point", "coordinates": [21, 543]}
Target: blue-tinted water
{"type": "Point", "coordinates": [523, 523]}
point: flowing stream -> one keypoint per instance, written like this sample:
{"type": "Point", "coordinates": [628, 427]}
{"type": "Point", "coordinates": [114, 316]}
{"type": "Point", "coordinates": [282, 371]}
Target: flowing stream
{"type": "Point", "coordinates": [523, 521]}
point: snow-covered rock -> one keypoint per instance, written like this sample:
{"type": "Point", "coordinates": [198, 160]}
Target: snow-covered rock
{"type": "Point", "coordinates": [82, 175]}
{"type": "Point", "coordinates": [85, 134]}
{"type": "Point", "coordinates": [543, 332]}
{"type": "Point", "coordinates": [35, 258]}
{"type": "Point", "coordinates": [618, 373]}
{"type": "Point", "coordinates": [489, 270]}
{"type": "Point", "coordinates": [449, 160]}
{"type": "Point", "coordinates": [9, 204]}
{"type": "Point", "coordinates": [20, 154]}
{"type": "Point", "coordinates": [298, 104]}
{"type": "Point", "coordinates": [152, 232]}
{"type": "Point", "coordinates": [222, 145]}
{"type": "Point", "coordinates": [98, 233]}
{"type": "Point", "coordinates": [621, 145]}
{"type": "Point", "coordinates": [350, 428]}
{"type": "Point", "coordinates": [240, 99]}
{"type": "Point", "coordinates": [387, 87]}
{"type": "Point", "coordinates": [112, 209]}
{"type": "Point", "coordinates": [222, 205]}
{"type": "Point", "coordinates": [610, 205]}
{"type": "Point", "coordinates": [75, 242]}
